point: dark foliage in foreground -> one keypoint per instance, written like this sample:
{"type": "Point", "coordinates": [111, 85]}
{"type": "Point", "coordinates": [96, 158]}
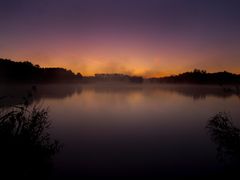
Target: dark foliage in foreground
{"type": "Point", "coordinates": [227, 137]}
{"type": "Point", "coordinates": [26, 147]}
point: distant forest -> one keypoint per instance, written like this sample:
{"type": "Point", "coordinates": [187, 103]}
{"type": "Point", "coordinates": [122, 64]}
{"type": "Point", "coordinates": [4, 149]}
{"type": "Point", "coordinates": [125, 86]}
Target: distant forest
{"type": "Point", "coordinates": [20, 72]}
{"type": "Point", "coordinates": [11, 71]}
{"type": "Point", "coordinates": [200, 77]}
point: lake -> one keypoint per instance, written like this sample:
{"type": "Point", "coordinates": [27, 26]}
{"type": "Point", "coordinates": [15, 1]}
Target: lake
{"type": "Point", "coordinates": [131, 130]}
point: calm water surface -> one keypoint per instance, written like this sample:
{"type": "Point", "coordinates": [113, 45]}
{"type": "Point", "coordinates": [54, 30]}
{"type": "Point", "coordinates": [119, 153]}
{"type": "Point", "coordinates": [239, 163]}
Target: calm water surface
{"type": "Point", "coordinates": [133, 130]}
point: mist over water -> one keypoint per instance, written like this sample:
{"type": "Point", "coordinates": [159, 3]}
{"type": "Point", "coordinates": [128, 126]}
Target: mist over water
{"type": "Point", "coordinates": [132, 130]}
{"type": "Point", "coordinates": [119, 88]}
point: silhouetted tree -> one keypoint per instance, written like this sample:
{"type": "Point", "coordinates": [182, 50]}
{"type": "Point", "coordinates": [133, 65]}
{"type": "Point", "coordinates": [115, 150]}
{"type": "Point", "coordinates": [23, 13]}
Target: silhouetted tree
{"type": "Point", "coordinates": [11, 71]}
{"type": "Point", "coordinates": [200, 77]}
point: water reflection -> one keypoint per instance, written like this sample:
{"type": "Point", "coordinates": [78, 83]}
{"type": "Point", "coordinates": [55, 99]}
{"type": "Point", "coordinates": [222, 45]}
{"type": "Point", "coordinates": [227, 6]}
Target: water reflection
{"type": "Point", "coordinates": [131, 130]}
{"type": "Point", "coordinates": [26, 146]}
{"type": "Point", "coordinates": [194, 91]}
{"type": "Point", "coordinates": [14, 94]}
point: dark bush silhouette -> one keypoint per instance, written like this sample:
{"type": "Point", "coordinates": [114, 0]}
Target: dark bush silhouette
{"type": "Point", "coordinates": [26, 147]}
{"type": "Point", "coordinates": [227, 137]}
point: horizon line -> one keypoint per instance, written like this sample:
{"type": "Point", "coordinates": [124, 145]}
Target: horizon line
{"type": "Point", "coordinates": [93, 74]}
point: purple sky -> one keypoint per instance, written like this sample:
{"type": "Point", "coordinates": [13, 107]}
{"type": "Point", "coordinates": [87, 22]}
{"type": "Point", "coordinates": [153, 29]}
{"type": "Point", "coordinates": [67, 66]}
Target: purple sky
{"type": "Point", "coordinates": [143, 37]}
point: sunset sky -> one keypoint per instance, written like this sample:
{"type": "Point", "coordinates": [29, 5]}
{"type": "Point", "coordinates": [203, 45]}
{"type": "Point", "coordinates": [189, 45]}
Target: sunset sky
{"type": "Point", "coordinates": [136, 37]}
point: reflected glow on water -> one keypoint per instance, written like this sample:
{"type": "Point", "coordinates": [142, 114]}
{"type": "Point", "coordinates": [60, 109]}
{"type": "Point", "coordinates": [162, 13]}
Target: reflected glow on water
{"type": "Point", "coordinates": [135, 129]}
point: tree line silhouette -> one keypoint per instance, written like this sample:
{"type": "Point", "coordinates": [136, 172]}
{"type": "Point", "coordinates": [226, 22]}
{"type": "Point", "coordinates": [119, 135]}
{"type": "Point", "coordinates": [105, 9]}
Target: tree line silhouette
{"type": "Point", "coordinates": [200, 77]}
{"type": "Point", "coordinates": [11, 71]}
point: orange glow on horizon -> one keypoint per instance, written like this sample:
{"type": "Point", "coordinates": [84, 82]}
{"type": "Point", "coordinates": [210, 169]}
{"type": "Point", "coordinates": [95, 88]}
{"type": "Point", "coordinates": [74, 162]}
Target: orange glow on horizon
{"type": "Point", "coordinates": [146, 42]}
{"type": "Point", "coordinates": [139, 70]}
{"type": "Point", "coordinates": [135, 62]}
{"type": "Point", "coordinates": [155, 68]}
